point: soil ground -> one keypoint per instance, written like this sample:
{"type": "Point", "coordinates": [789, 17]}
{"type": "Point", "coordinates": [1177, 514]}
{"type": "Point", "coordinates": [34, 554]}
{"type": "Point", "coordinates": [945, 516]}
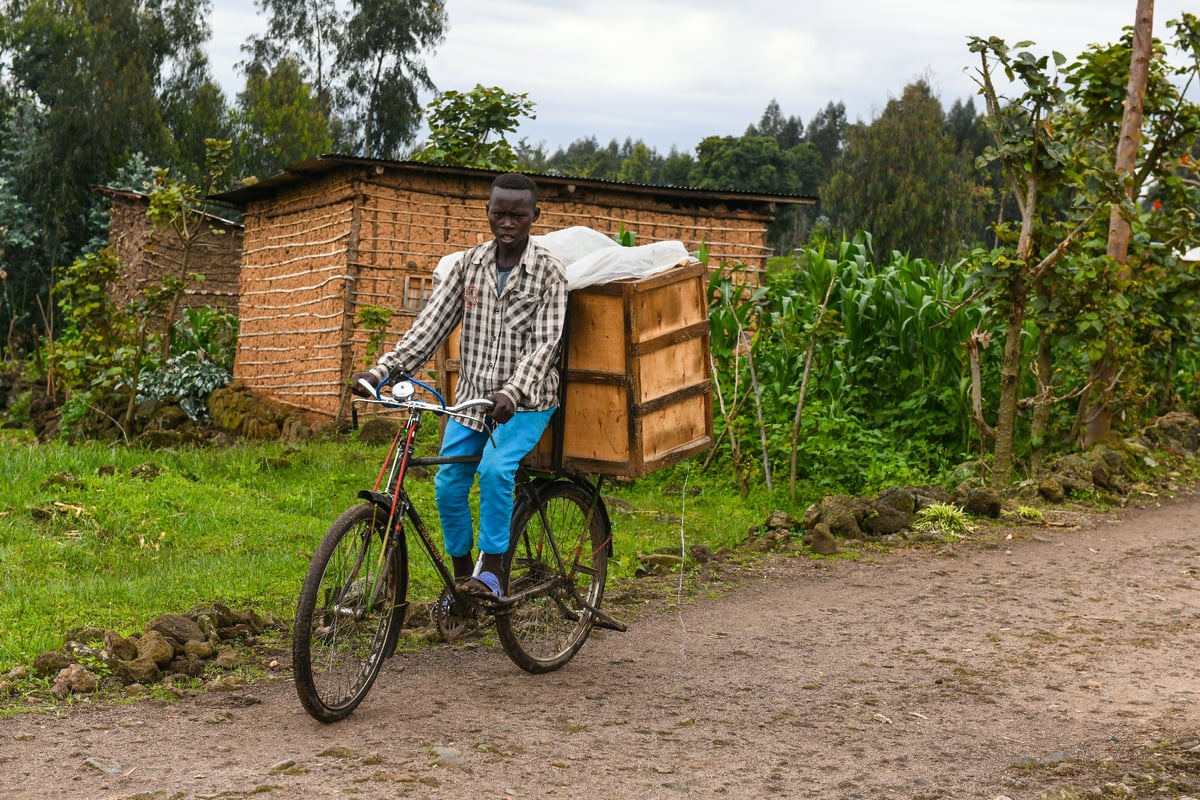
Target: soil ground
{"type": "Point", "coordinates": [1042, 661]}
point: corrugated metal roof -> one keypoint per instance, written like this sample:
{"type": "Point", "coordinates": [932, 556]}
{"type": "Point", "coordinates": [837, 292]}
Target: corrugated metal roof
{"type": "Point", "coordinates": [143, 197]}
{"type": "Point", "coordinates": [322, 165]}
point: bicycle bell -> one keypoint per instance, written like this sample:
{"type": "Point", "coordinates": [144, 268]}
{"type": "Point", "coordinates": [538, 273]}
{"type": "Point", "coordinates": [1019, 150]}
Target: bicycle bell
{"type": "Point", "coordinates": [403, 390]}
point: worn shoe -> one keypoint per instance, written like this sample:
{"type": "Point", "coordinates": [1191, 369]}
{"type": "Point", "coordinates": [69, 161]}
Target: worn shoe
{"type": "Point", "coordinates": [484, 586]}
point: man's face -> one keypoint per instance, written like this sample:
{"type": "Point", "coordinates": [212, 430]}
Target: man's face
{"type": "Point", "coordinates": [511, 214]}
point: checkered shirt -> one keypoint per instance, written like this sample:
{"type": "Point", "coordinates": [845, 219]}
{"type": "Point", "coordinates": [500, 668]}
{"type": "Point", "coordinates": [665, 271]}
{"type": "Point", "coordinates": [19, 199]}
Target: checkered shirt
{"type": "Point", "coordinates": [509, 340]}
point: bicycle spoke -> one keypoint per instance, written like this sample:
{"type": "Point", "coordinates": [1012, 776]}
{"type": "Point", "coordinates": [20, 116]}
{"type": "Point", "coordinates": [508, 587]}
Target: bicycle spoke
{"type": "Point", "coordinates": [350, 611]}
{"type": "Point", "coordinates": [554, 586]}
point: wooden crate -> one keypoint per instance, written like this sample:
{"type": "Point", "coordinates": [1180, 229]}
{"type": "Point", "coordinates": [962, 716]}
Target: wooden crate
{"type": "Point", "coordinates": [637, 395]}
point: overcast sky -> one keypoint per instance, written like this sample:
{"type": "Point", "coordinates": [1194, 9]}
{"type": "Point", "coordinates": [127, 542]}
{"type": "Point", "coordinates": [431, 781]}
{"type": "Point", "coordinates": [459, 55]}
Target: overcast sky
{"type": "Point", "coordinates": [671, 72]}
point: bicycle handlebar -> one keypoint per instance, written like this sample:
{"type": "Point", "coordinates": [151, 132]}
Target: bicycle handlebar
{"type": "Point", "coordinates": [402, 398]}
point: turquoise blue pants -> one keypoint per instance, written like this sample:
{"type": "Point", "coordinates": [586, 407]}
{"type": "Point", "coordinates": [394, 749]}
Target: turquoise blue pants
{"type": "Point", "coordinates": [497, 470]}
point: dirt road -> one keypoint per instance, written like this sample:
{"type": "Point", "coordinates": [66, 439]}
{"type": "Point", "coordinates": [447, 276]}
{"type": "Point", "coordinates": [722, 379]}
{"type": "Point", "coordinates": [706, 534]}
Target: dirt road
{"type": "Point", "coordinates": [1064, 657]}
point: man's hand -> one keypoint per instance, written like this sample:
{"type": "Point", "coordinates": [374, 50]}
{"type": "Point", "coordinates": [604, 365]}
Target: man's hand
{"type": "Point", "coordinates": [357, 388]}
{"type": "Point", "coordinates": [502, 407]}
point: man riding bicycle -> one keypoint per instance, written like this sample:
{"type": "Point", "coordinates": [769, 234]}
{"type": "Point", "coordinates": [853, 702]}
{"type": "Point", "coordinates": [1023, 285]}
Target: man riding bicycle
{"type": "Point", "coordinates": [510, 295]}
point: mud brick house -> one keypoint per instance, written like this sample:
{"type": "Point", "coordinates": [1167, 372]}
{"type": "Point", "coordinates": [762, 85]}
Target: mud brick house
{"type": "Point", "coordinates": [148, 254]}
{"type": "Point", "coordinates": [334, 234]}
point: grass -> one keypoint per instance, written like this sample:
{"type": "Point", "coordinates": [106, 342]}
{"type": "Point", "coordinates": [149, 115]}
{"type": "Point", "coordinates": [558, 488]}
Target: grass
{"type": "Point", "coordinates": [109, 536]}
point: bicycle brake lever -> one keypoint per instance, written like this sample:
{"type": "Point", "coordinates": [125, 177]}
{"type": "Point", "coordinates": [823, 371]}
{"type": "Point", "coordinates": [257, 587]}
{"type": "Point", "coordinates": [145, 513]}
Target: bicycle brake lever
{"type": "Point", "coordinates": [372, 391]}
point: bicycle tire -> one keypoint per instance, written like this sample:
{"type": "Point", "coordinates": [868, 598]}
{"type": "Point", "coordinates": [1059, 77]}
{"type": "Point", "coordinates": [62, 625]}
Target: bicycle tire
{"type": "Point", "coordinates": [545, 630]}
{"type": "Point", "coordinates": [348, 618]}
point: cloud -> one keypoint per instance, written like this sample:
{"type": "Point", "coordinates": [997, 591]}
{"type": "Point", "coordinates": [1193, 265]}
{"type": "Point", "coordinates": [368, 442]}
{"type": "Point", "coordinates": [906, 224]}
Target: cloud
{"type": "Point", "coordinates": [671, 72]}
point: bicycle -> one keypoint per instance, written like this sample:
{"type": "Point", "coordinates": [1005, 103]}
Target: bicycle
{"type": "Point", "coordinates": [354, 598]}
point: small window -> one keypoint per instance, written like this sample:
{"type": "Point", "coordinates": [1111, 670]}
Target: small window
{"type": "Point", "coordinates": [417, 289]}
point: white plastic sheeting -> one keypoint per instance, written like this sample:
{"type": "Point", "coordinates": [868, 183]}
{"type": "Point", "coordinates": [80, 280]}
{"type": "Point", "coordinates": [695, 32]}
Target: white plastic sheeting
{"type": "Point", "coordinates": [592, 258]}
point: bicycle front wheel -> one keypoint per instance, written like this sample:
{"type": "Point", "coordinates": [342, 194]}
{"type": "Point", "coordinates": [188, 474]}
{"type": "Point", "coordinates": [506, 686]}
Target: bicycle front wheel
{"type": "Point", "coordinates": [349, 615]}
{"type": "Point", "coordinates": [558, 555]}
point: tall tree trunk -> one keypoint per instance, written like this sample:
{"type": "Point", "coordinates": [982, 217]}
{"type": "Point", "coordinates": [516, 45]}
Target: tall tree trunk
{"type": "Point", "coordinates": [1010, 381]}
{"type": "Point", "coordinates": [1098, 419]}
{"type": "Point", "coordinates": [1040, 422]}
{"type": "Point", "coordinates": [1017, 299]}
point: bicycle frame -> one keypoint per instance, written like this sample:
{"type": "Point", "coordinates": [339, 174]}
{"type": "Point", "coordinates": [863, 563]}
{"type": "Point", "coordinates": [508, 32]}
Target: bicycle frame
{"type": "Point", "coordinates": [394, 499]}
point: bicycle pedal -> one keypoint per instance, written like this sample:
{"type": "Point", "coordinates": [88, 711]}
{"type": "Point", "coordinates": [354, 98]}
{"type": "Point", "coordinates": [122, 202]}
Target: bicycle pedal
{"type": "Point", "coordinates": [489, 604]}
{"type": "Point", "coordinates": [607, 622]}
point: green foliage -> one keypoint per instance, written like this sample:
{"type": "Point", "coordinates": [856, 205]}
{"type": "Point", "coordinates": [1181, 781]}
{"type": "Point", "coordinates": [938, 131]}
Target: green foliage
{"type": "Point", "coordinates": [103, 536]}
{"type": "Point", "coordinates": [188, 377]}
{"type": "Point", "coordinates": [461, 125]}
{"type": "Point", "coordinates": [229, 525]}
{"type": "Point", "coordinates": [103, 353]}
{"type": "Point", "coordinates": [364, 63]}
{"type": "Point", "coordinates": [279, 122]}
{"type": "Point", "coordinates": [210, 333]}
{"type": "Point", "coordinates": [87, 82]}
{"type": "Point", "coordinates": [88, 351]}
{"type": "Point", "coordinates": [755, 163]}
{"type": "Point", "coordinates": [1030, 513]}
{"type": "Point", "coordinates": [202, 353]}
{"type": "Point", "coordinates": [887, 392]}
{"type": "Point", "coordinates": [942, 518]}
{"type": "Point", "coordinates": [374, 320]}
{"type": "Point", "coordinates": [904, 178]}
{"type": "Point", "coordinates": [1056, 143]}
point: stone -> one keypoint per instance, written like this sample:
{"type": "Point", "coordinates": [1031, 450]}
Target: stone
{"type": "Point", "coordinates": [228, 658]}
{"type": "Point", "coordinates": [198, 649]}
{"type": "Point", "coordinates": [377, 430]}
{"type": "Point", "coordinates": [248, 619]}
{"type": "Point", "coordinates": [983, 501]}
{"type": "Point", "coordinates": [118, 647]}
{"type": "Point", "coordinates": [143, 670]}
{"type": "Point", "coordinates": [105, 765]}
{"type": "Point", "coordinates": [51, 662]}
{"type": "Point", "coordinates": [1051, 490]}
{"type": "Point", "coordinates": [154, 645]}
{"type": "Point", "coordinates": [843, 515]}
{"type": "Point", "coordinates": [176, 626]}
{"type": "Point", "coordinates": [890, 512]}
{"type": "Point", "coordinates": [822, 540]}
{"type": "Point", "coordinates": [904, 500]}
{"type": "Point", "coordinates": [75, 679]}
{"type": "Point", "coordinates": [447, 757]}
{"type": "Point", "coordinates": [781, 519]}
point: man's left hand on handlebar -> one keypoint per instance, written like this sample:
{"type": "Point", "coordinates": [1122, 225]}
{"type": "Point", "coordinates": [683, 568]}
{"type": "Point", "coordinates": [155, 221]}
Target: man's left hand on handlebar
{"type": "Point", "coordinates": [502, 407]}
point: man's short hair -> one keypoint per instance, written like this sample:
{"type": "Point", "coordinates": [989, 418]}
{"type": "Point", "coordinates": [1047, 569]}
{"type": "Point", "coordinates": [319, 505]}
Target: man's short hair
{"type": "Point", "coordinates": [515, 180]}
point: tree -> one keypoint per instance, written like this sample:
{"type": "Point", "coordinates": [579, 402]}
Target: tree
{"type": "Point", "coordinates": [306, 31]}
{"type": "Point", "coordinates": [752, 163]}
{"type": "Point", "coordinates": [365, 64]}
{"type": "Point", "coordinates": [380, 62]}
{"type": "Point", "coordinates": [827, 133]}
{"type": "Point", "coordinates": [1057, 142]}
{"type": "Point", "coordinates": [279, 122]}
{"type": "Point", "coordinates": [1104, 371]}
{"type": "Point", "coordinates": [194, 109]}
{"type": "Point", "coordinates": [586, 158]}
{"type": "Point", "coordinates": [87, 78]}
{"type": "Point", "coordinates": [462, 124]}
{"type": "Point", "coordinates": [787, 131]}
{"type": "Point", "coordinates": [639, 166]}
{"type": "Point", "coordinates": [903, 178]}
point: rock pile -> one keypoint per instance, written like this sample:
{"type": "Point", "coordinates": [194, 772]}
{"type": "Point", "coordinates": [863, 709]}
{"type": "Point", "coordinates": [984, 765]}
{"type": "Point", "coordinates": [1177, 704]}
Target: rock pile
{"type": "Point", "coordinates": [238, 410]}
{"type": "Point", "coordinates": [186, 645]}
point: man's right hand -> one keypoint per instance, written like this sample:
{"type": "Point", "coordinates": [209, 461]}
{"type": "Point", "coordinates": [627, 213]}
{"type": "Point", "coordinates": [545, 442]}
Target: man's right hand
{"type": "Point", "coordinates": [356, 384]}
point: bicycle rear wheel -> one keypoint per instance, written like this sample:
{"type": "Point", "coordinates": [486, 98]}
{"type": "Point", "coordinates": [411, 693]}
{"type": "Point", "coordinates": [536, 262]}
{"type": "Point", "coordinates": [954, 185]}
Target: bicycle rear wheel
{"type": "Point", "coordinates": [349, 614]}
{"type": "Point", "coordinates": [559, 554]}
